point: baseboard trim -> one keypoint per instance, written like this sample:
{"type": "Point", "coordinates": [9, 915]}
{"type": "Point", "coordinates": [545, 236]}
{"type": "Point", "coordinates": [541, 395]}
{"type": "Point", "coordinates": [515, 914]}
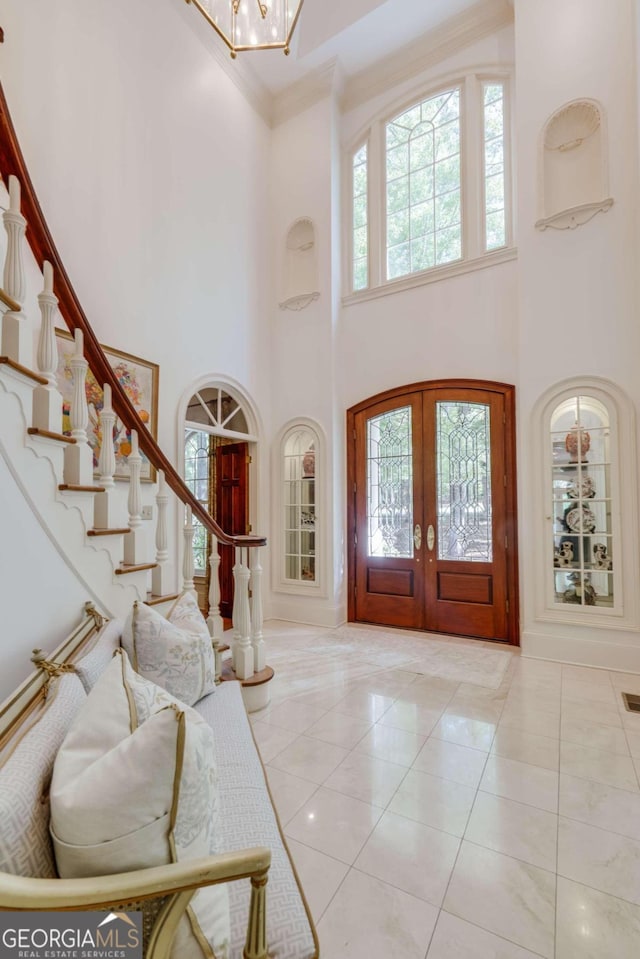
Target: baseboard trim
{"type": "Point", "coordinates": [599, 654]}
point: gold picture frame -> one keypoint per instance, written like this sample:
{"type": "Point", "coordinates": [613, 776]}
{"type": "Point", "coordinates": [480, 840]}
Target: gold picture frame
{"type": "Point", "coordinates": [139, 379]}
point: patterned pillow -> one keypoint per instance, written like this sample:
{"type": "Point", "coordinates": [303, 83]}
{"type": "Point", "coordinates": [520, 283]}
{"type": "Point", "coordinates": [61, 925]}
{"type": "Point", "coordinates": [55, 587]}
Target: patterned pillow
{"type": "Point", "coordinates": [176, 653]}
{"type": "Point", "coordinates": [134, 785]}
{"type": "Point", "coordinates": [26, 765]}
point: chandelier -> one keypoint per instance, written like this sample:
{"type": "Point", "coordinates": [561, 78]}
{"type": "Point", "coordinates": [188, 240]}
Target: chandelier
{"type": "Point", "coordinates": [252, 24]}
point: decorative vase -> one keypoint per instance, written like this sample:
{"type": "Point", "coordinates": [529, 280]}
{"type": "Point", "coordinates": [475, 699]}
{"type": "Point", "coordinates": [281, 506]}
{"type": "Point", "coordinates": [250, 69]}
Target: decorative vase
{"type": "Point", "coordinates": [577, 443]}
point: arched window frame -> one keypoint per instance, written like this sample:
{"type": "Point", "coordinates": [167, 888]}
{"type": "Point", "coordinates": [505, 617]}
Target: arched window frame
{"type": "Point", "coordinates": [624, 496]}
{"type": "Point", "coordinates": [472, 176]}
{"type": "Point", "coordinates": [281, 583]}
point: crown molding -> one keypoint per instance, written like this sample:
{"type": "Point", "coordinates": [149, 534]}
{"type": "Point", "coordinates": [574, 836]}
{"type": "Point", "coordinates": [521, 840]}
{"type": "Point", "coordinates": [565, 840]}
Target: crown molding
{"type": "Point", "coordinates": [299, 96]}
{"type": "Point", "coordinates": [461, 31]}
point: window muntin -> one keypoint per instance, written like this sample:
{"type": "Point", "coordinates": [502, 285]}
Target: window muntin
{"type": "Point", "coordinates": [423, 186]}
{"type": "Point", "coordinates": [585, 554]}
{"type": "Point", "coordinates": [420, 225]}
{"type": "Point", "coordinates": [495, 223]}
{"type": "Point", "coordinates": [360, 214]}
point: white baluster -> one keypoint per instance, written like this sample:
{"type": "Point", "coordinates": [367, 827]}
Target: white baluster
{"type": "Point", "coordinates": [187, 556]}
{"type": "Point", "coordinates": [257, 639]}
{"type": "Point", "coordinates": [78, 459]}
{"type": "Point", "coordinates": [243, 650]}
{"type": "Point", "coordinates": [159, 585]}
{"type": "Point", "coordinates": [103, 502]}
{"type": "Point", "coordinates": [214, 619]}
{"type": "Point", "coordinates": [134, 544]}
{"type": "Point", "coordinates": [47, 401]}
{"type": "Point", "coordinates": [16, 338]}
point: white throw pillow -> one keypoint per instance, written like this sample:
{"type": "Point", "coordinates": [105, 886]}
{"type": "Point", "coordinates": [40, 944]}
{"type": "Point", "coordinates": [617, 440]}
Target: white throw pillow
{"type": "Point", "coordinates": [174, 652]}
{"type": "Point", "coordinates": [134, 785]}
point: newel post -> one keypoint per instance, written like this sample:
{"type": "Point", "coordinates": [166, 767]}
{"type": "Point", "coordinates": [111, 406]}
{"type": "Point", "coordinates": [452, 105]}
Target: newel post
{"type": "Point", "coordinates": [257, 639]}
{"type": "Point", "coordinates": [47, 401]}
{"type": "Point", "coordinates": [242, 648]}
{"type": "Point", "coordinates": [16, 337]}
{"type": "Point", "coordinates": [78, 459]}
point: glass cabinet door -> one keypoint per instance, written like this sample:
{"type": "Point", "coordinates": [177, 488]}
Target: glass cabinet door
{"type": "Point", "coordinates": [584, 551]}
{"type": "Point", "coordinates": [299, 499]}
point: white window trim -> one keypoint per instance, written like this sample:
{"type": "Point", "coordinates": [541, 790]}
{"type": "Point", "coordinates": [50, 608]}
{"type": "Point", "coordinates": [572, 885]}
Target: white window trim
{"type": "Point", "coordinates": [474, 253]}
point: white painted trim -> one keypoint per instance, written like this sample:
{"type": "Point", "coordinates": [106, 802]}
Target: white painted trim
{"type": "Point", "coordinates": [311, 89]}
{"type": "Point", "coordinates": [438, 45]}
{"type": "Point", "coordinates": [433, 276]}
{"type": "Point", "coordinates": [596, 653]}
{"type": "Point", "coordinates": [254, 438]}
{"type": "Point", "coordinates": [310, 613]}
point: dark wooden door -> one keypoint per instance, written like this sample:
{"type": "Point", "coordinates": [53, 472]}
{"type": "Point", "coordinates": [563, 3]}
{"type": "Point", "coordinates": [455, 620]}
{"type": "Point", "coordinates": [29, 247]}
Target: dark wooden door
{"type": "Point", "coordinates": [232, 510]}
{"type": "Point", "coordinates": [433, 512]}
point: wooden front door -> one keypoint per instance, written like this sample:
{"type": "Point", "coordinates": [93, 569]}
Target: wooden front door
{"type": "Point", "coordinates": [232, 510]}
{"type": "Point", "coordinates": [432, 518]}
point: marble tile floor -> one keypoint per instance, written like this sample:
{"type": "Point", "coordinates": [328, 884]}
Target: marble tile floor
{"type": "Point", "coordinates": [479, 811]}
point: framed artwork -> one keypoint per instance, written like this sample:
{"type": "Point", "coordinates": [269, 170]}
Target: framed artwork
{"type": "Point", "coordinates": [139, 380]}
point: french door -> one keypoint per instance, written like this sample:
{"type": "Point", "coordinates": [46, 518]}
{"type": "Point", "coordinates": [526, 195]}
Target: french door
{"type": "Point", "coordinates": [232, 511]}
{"type": "Point", "coordinates": [432, 517]}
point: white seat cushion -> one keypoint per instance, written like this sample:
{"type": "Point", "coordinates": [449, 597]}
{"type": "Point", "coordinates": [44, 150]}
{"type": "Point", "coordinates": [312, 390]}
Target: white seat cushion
{"type": "Point", "coordinates": [247, 819]}
{"type": "Point", "coordinates": [134, 785]}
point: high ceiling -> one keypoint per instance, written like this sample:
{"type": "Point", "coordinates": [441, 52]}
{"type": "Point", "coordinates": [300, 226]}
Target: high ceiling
{"type": "Point", "coordinates": [356, 32]}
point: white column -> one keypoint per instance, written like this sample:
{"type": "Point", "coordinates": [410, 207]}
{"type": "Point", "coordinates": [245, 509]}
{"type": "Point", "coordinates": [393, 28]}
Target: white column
{"type": "Point", "coordinates": [78, 459]}
{"type": "Point", "coordinates": [159, 585]}
{"type": "Point", "coordinates": [103, 505]}
{"type": "Point", "coordinates": [214, 619]}
{"type": "Point", "coordinates": [134, 544]}
{"type": "Point", "coordinates": [16, 338]}
{"type": "Point", "coordinates": [243, 650]}
{"type": "Point", "coordinates": [187, 556]}
{"type": "Point", "coordinates": [47, 401]}
{"type": "Point", "coordinates": [257, 639]}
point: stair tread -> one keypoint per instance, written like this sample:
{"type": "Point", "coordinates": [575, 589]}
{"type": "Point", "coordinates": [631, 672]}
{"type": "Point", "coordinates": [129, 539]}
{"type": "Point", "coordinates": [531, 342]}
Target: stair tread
{"type": "Point", "coordinates": [72, 488]}
{"type": "Point", "coordinates": [154, 600]}
{"type": "Point", "coordinates": [257, 679]}
{"type": "Point", "coordinates": [19, 368]}
{"type": "Point", "coordinates": [59, 437]}
{"type": "Point", "coordinates": [122, 570]}
{"type": "Point", "coordinates": [108, 532]}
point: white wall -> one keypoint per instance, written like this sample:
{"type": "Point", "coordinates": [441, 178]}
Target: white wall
{"type": "Point", "coordinates": [577, 290]}
{"type": "Point", "coordinates": [150, 168]}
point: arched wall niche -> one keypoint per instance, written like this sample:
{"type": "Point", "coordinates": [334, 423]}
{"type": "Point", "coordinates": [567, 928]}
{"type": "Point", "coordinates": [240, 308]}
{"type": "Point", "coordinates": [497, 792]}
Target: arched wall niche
{"type": "Point", "coordinates": [574, 182]}
{"type": "Point", "coordinates": [300, 266]}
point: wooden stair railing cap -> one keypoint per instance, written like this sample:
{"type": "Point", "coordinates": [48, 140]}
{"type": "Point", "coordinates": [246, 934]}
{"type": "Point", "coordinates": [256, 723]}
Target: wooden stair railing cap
{"type": "Point", "coordinates": [43, 248]}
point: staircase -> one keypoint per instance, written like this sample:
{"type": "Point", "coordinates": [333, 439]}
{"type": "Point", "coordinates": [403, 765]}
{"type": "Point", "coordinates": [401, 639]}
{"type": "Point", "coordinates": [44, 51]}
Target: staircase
{"type": "Point", "coordinates": [97, 524]}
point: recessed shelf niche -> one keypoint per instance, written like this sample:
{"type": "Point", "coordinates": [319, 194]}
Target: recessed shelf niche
{"type": "Point", "coordinates": [301, 266]}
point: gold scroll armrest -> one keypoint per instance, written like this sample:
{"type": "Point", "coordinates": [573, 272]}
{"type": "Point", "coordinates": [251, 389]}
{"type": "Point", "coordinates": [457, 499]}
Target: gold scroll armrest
{"type": "Point", "coordinates": [178, 881]}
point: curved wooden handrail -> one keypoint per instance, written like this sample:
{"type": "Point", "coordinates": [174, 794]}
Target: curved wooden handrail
{"type": "Point", "coordinates": [43, 248]}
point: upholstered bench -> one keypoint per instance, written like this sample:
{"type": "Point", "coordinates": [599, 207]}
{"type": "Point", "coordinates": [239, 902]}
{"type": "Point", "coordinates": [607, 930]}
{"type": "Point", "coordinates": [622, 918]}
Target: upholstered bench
{"type": "Point", "coordinates": [253, 860]}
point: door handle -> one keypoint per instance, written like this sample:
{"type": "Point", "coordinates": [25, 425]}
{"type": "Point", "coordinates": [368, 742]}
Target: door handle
{"type": "Point", "coordinates": [417, 537]}
{"type": "Point", "coordinates": [431, 537]}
